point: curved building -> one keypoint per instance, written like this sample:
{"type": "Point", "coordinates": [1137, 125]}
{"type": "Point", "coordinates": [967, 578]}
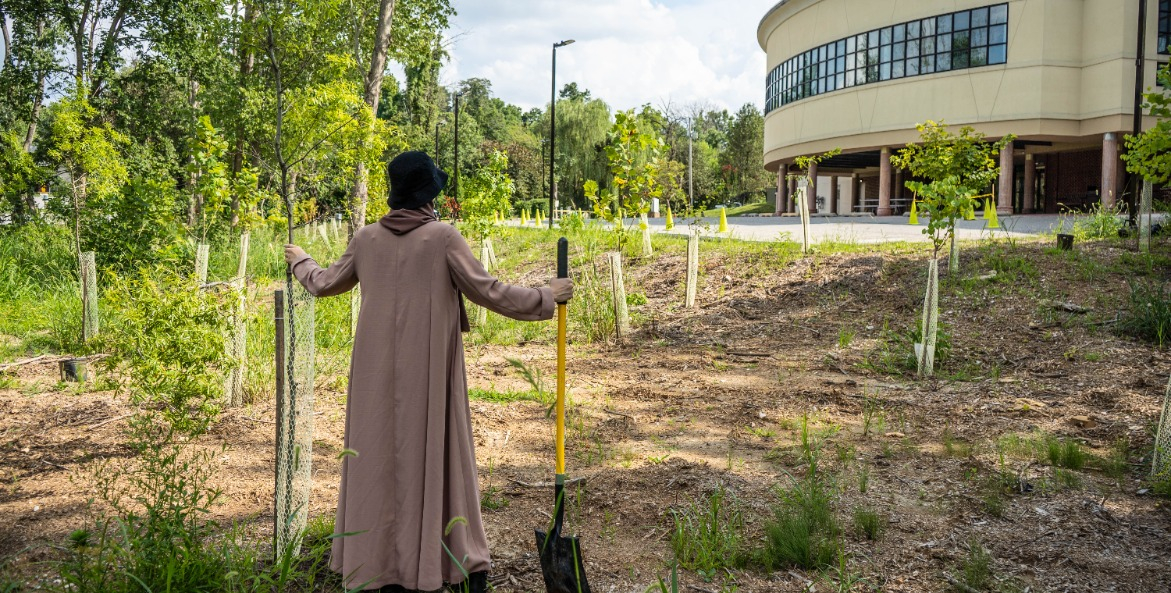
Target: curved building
{"type": "Point", "coordinates": [860, 74]}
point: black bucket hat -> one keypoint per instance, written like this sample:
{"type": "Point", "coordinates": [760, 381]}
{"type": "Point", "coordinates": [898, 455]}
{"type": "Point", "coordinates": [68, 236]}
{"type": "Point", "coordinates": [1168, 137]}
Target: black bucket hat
{"type": "Point", "coordinates": [414, 180]}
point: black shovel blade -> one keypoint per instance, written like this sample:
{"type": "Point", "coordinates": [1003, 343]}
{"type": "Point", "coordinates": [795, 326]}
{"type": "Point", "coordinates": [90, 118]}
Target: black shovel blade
{"type": "Point", "coordinates": [561, 564]}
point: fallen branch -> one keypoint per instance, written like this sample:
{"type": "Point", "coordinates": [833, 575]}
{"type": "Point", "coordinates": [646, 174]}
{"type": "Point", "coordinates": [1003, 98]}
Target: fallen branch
{"type": "Point", "coordinates": [107, 421]}
{"type": "Point", "coordinates": [18, 363]}
{"type": "Point", "coordinates": [959, 585]}
{"type": "Point", "coordinates": [258, 419]}
{"type": "Point", "coordinates": [612, 412]}
{"type": "Point", "coordinates": [700, 589]}
{"type": "Point", "coordinates": [750, 354]}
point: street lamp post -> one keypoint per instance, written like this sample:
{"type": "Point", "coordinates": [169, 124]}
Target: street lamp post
{"type": "Point", "coordinates": [553, 131]}
{"type": "Point", "coordinates": [455, 190]}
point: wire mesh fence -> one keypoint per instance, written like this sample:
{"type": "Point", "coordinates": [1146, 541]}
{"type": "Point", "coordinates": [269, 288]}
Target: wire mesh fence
{"type": "Point", "coordinates": [1161, 461]}
{"type": "Point", "coordinates": [294, 480]}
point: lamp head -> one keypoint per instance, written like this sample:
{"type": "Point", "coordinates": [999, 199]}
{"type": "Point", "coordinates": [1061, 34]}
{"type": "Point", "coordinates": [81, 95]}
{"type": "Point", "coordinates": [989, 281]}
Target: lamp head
{"type": "Point", "coordinates": [564, 43]}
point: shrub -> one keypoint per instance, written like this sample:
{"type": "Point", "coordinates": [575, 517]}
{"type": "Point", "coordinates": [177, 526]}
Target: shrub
{"type": "Point", "coordinates": [804, 532]}
{"type": "Point", "coordinates": [868, 523]}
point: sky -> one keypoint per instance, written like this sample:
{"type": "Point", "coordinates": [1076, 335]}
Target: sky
{"type": "Point", "coordinates": [627, 52]}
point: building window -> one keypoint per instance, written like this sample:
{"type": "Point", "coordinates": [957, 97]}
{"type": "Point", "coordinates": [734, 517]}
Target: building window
{"type": "Point", "coordinates": [1165, 26]}
{"type": "Point", "coordinates": [955, 41]}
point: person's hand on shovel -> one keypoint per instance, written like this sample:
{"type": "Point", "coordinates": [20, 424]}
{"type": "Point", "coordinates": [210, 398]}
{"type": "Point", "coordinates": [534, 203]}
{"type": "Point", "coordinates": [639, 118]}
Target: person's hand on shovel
{"type": "Point", "coordinates": [294, 253]}
{"type": "Point", "coordinates": [562, 289]}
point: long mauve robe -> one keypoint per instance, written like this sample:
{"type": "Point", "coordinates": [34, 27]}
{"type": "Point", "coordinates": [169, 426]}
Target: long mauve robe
{"type": "Point", "coordinates": [407, 414]}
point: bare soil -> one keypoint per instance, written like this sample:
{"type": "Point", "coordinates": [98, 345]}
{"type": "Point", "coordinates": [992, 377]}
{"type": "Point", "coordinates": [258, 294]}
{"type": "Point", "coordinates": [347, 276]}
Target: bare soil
{"type": "Point", "coordinates": [714, 396]}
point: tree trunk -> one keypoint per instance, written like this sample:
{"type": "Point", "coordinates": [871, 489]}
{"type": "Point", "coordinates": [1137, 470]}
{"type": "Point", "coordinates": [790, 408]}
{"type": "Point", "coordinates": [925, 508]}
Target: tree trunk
{"type": "Point", "coordinates": [247, 61]}
{"type": "Point", "coordinates": [373, 90]}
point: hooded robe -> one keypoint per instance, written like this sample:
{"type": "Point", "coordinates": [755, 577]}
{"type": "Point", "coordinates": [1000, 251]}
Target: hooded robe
{"type": "Point", "coordinates": [407, 413]}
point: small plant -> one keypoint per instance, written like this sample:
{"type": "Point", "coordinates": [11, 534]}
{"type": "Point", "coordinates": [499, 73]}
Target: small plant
{"type": "Point", "coordinates": [492, 498]}
{"type": "Point", "coordinates": [1066, 453]}
{"type": "Point", "coordinates": [868, 523]}
{"type": "Point", "coordinates": [707, 533]}
{"type": "Point", "coordinates": [845, 337]}
{"type": "Point", "coordinates": [864, 479]}
{"type": "Point", "coordinates": [871, 412]}
{"type": "Point", "coordinates": [1149, 316]}
{"type": "Point", "coordinates": [803, 532]}
{"type": "Point", "coordinates": [976, 568]}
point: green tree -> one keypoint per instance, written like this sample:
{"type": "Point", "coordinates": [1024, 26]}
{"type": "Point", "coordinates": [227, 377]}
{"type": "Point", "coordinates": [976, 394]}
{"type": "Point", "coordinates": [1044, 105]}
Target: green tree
{"type": "Point", "coordinates": [485, 194]}
{"type": "Point", "coordinates": [742, 160]}
{"type": "Point", "coordinates": [1149, 154]}
{"type": "Point", "coordinates": [633, 153]}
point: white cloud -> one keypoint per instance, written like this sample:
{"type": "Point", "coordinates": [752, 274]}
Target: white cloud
{"type": "Point", "coordinates": [628, 52]}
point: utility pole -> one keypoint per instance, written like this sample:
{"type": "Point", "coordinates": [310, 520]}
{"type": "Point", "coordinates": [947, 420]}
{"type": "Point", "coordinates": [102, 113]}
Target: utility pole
{"type": "Point", "coordinates": [1140, 71]}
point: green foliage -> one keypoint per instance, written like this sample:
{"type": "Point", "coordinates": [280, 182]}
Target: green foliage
{"type": "Point", "coordinates": [209, 176]}
{"type": "Point", "coordinates": [1149, 315]}
{"type": "Point", "coordinates": [869, 523]}
{"type": "Point", "coordinates": [89, 154]}
{"type": "Point", "coordinates": [976, 568]}
{"type": "Point", "coordinates": [1098, 223]}
{"type": "Point", "coordinates": [137, 227]}
{"type": "Point", "coordinates": [168, 348]}
{"type": "Point", "coordinates": [707, 534]}
{"type": "Point", "coordinates": [633, 151]}
{"type": "Point", "coordinates": [1149, 154]}
{"type": "Point", "coordinates": [488, 192]}
{"type": "Point", "coordinates": [957, 168]}
{"type": "Point", "coordinates": [18, 175]}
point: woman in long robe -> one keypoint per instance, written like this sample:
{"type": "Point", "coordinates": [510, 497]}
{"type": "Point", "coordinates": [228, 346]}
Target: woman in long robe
{"type": "Point", "coordinates": [407, 414]}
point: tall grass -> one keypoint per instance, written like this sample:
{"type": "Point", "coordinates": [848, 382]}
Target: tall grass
{"type": "Point", "coordinates": [707, 534]}
{"type": "Point", "coordinates": [1149, 316]}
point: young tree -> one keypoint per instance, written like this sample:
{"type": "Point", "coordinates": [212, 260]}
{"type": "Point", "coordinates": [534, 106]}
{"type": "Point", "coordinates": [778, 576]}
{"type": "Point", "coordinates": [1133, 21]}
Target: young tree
{"type": "Point", "coordinates": [956, 169]}
{"type": "Point", "coordinates": [633, 152]}
{"type": "Point", "coordinates": [1149, 154]}
{"type": "Point", "coordinates": [489, 191]}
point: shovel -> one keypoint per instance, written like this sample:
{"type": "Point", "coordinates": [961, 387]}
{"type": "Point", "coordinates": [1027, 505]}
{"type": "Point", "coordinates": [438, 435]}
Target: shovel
{"type": "Point", "coordinates": [561, 561]}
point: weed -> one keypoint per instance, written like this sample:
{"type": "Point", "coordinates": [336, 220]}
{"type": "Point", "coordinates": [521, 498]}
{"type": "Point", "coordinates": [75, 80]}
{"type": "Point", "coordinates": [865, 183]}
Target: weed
{"type": "Point", "coordinates": [868, 523]}
{"type": "Point", "coordinates": [1066, 453]}
{"type": "Point", "coordinates": [707, 533]}
{"type": "Point", "coordinates": [502, 397]}
{"type": "Point", "coordinates": [492, 498]}
{"type": "Point", "coordinates": [763, 432]}
{"type": "Point", "coordinates": [803, 532]}
{"type": "Point", "coordinates": [635, 299]}
{"type": "Point", "coordinates": [864, 479]}
{"type": "Point", "coordinates": [1115, 463]}
{"type": "Point", "coordinates": [1067, 478]}
{"type": "Point", "coordinates": [1149, 316]}
{"type": "Point", "coordinates": [845, 337]}
{"type": "Point", "coordinates": [976, 568]}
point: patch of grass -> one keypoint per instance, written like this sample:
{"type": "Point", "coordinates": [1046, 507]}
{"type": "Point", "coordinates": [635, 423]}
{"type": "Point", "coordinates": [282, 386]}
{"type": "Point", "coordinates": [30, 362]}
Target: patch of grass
{"type": "Point", "coordinates": [492, 498]}
{"type": "Point", "coordinates": [708, 533]}
{"type": "Point", "coordinates": [869, 523]}
{"type": "Point", "coordinates": [1065, 453]}
{"type": "Point", "coordinates": [1115, 464]}
{"type": "Point", "coordinates": [975, 570]}
{"type": "Point", "coordinates": [845, 337]}
{"type": "Point", "coordinates": [1045, 448]}
{"type": "Point", "coordinates": [502, 397]}
{"type": "Point", "coordinates": [1149, 315]}
{"type": "Point", "coordinates": [803, 532]}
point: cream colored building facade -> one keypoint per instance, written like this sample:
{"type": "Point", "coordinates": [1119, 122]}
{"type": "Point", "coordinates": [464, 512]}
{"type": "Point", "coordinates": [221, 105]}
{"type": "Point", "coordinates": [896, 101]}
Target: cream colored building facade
{"type": "Point", "coordinates": [1058, 74]}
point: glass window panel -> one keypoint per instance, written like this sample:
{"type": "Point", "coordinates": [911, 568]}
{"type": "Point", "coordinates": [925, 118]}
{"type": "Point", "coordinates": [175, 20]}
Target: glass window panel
{"type": "Point", "coordinates": [896, 69]}
{"type": "Point", "coordinates": [998, 34]}
{"type": "Point", "coordinates": [872, 56]}
{"type": "Point", "coordinates": [979, 37]}
{"type": "Point", "coordinates": [886, 36]}
{"type": "Point", "coordinates": [841, 64]}
{"type": "Point", "coordinates": [942, 43]}
{"type": "Point", "coordinates": [959, 59]}
{"type": "Point", "coordinates": [980, 17]}
{"type": "Point", "coordinates": [998, 15]}
{"type": "Point", "coordinates": [960, 41]}
{"type": "Point", "coordinates": [979, 57]}
{"type": "Point", "coordinates": [884, 72]}
{"type": "Point", "coordinates": [832, 51]}
{"type": "Point", "coordinates": [884, 55]}
{"type": "Point", "coordinates": [841, 47]}
{"type": "Point", "coordinates": [997, 54]}
{"type": "Point", "coordinates": [872, 39]}
{"type": "Point", "coordinates": [927, 65]}
{"type": "Point", "coordinates": [900, 32]}
{"type": "Point", "coordinates": [912, 67]}
{"type": "Point", "coordinates": [872, 73]}
{"type": "Point", "coordinates": [943, 63]}
{"type": "Point", "coordinates": [850, 45]}
{"type": "Point", "coordinates": [913, 30]}
{"type": "Point", "coordinates": [899, 51]}
{"type": "Point", "coordinates": [839, 81]}
{"type": "Point", "coordinates": [962, 20]}
{"type": "Point", "coordinates": [851, 61]}
{"type": "Point", "coordinates": [943, 24]}
{"type": "Point", "coordinates": [913, 48]}
{"type": "Point", "coordinates": [928, 27]}
{"type": "Point", "coordinates": [822, 53]}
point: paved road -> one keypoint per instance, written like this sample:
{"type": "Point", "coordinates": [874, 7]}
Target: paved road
{"type": "Point", "coordinates": [862, 229]}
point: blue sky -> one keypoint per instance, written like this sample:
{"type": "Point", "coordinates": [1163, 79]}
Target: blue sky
{"type": "Point", "coordinates": [628, 52]}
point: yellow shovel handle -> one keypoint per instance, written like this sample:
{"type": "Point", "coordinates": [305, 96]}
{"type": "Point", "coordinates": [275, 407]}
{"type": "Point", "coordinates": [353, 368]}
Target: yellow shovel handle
{"type": "Point", "coordinates": [561, 388]}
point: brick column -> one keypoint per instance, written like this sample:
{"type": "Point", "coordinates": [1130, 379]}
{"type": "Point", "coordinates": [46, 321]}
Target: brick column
{"type": "Point", "coordinates": [899, 191]}
{"type": "Point", "coordinates": [832, 206]}
{"type": "Point", "coordinates": [812, 188]}
{"type": "Point", "coordinates": [1030, 199]}
{"type": "Point", "coordinates": [1004, 199]}
{"type": "Point", "coordinates": [1109, 170]}
{"type": "Point", "coordinates": [782, 191]}
{"type": "Point", "coordinates": [884, 183]}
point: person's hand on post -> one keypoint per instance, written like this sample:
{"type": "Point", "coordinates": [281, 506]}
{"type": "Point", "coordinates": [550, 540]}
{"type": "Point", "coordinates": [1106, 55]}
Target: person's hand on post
{"type": "Point", "coordinates": [562, 289]}
{"type": "Point", "coordinates": [293, 253]}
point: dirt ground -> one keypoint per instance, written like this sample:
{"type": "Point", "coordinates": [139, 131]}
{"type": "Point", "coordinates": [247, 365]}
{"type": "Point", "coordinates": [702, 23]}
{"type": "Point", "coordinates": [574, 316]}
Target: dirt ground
{"type": "Point", "coordinates": [695, 400]}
